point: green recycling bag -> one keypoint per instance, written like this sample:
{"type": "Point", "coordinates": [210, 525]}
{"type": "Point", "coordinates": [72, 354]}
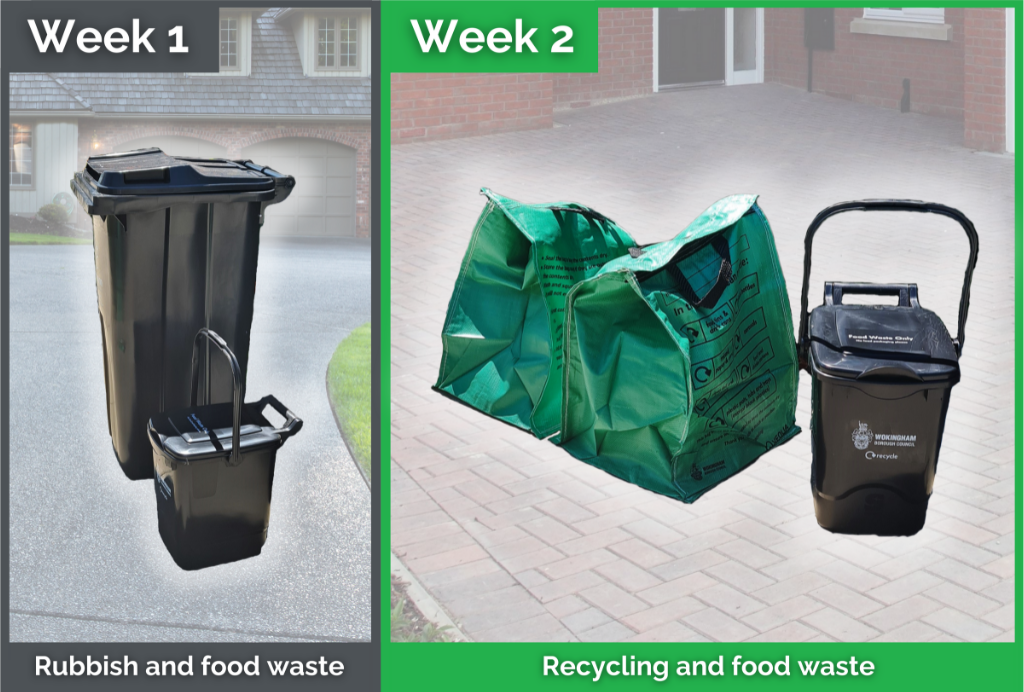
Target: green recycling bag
{"type": "Point", "coordinates": [502, 336]}
{"type": "Point", "coordinates": [681, 367]}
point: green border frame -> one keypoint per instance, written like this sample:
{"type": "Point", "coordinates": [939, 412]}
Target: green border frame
{"type": "Point", "coordinates": [517, 666]}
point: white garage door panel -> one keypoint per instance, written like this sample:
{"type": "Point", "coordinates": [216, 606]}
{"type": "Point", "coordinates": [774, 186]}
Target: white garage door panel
{"type": "Point", "coordinates": [177, 146]}
{"type": "Point", "coordinates": [323, 201]}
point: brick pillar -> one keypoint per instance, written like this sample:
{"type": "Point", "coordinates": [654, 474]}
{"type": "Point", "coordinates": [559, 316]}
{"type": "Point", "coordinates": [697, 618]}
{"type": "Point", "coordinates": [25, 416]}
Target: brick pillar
{"type": "Point", "coordinates": [984, 78]}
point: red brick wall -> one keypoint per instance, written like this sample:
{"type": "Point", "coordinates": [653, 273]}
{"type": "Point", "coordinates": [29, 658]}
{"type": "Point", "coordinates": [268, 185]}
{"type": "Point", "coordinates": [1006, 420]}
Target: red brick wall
{"type": "Point", "coordinates": [870, 69]}
{"type": "Point", "coordinates": [438, 106]}
{"type": "Point", "coordinates": [626, 61]}
{"type": "Point", "coordinates": [984, 78]}
{"type": "Point", "coordinates": [100, 136]}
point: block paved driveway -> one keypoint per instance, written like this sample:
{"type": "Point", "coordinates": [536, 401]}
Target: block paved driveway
{"type": "Point", "coordinates": [518, 541]}
{"type": "Point", "coordinates": [87, 562]}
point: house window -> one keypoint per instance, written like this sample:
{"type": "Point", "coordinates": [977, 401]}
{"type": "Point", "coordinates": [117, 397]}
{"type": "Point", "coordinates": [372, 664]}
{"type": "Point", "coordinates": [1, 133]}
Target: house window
{"type": "Point", "coordinates": [20, 166]}
{"type": "Point", "coordinates": [924, 15]}
{"type": "Point", "coordinates": [336, 43]}
{"type": "Point", "coordinates": [229, 43]}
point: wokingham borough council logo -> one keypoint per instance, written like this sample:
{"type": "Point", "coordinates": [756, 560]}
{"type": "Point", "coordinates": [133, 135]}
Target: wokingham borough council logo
{"type": "Point", "coordinates": [862, 436]}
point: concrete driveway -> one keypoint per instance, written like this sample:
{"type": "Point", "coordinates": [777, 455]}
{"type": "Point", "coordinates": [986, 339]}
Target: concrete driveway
{"type": "Point", "coordinates": [518, 541]}
{"type": "Point", "coordinates": [87, 562]}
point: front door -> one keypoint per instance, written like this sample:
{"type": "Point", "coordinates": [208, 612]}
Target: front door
{"type": "Point", "coordinates": [691, 46]}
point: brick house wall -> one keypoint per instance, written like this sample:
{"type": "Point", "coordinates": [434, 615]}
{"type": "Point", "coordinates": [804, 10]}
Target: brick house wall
{"type": "Point", "coordinates": [101, 136]}
{"type": "Point", "coordinates": [868, 68]}
{"type": "Point", "coordinates": [439, 106]}
{"type": "Point", "coordinates": [625, 62]}
{"type": "Point", "coordinates": [984, 79]}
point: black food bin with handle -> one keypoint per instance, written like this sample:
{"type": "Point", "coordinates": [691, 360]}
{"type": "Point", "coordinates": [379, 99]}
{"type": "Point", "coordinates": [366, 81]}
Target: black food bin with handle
{"type": "Point", "coordinates": [214, 471]}
{"type": "Point", "coordinates": [176, 242]}
{"type": "Point", "coordinates": [881, 382]}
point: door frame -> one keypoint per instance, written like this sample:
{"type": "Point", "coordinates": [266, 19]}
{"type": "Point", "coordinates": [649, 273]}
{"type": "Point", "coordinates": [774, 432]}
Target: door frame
{"type": "Point", "coordinates": [1009, 81]}
{"type": "Point", "coordinates": [755, 76]}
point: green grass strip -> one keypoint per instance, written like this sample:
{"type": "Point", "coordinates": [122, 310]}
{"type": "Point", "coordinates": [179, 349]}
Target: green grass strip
{"type": "Point", "coordinates": [41, 239]}
{"type": "Point", "coordinates": [348, 385]}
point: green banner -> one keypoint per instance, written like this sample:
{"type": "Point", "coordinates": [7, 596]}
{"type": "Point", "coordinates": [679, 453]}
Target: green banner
{"type": "Point", "coordinates": [489, 36]}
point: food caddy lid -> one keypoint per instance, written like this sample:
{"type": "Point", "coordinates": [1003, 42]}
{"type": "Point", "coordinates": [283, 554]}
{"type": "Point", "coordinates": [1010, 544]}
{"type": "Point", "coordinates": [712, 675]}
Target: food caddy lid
{"type": "Point", "coordinates": [185, 434]}
{"type": "Point", "coordinates": [880, 342]}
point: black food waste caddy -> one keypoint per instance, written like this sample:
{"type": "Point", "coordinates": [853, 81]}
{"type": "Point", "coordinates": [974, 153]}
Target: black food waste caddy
{"type": "Point", "coordinates": [176, 242]}
{"type": "Point", "coordinates": [881, 382]}
{"type": "Point", "coordinates": [214, 470]}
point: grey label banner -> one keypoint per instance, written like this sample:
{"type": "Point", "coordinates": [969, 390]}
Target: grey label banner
{"type": "Point", "coordinates": [198, 33]}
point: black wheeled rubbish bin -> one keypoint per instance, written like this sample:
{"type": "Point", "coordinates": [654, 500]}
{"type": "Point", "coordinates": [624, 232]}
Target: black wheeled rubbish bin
{"type": "Point", "coordinates": [881, 382]}
{"type": "Point", "coordinates": [214, 470]}
{"type": "Point", "coordinates": [176, 242]}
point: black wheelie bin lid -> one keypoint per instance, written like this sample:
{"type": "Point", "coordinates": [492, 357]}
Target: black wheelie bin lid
{"type": "Point", "coordinates": [147, 179]}
{"type": "Point", "coordinates": [879, 342]}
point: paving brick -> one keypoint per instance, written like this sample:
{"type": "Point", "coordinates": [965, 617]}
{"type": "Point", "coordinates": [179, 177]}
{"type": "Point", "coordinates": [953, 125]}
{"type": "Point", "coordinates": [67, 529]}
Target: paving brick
{"type": "Point", "coordinates": [730, 601]}
{"type": "Point", "coordinates": [613, 600]}
{"type": "Point", "coordinates": [778, 615]}
{"type": "Point", "coordinates": [551, 531]}
{"type": "Point", "coordinates": [784, 590]}
{"type": "Point", "coordinates": [654, 618]}
{"type": "Point", "coordinates": [683, 586]}
{"type": "Point", "coordinates": [593, 541]}
{"type": "Point", "coordinates": [567, 605]}
{"type": "Point", "coordinates": [669, 632]}
{"type": "Point", "coordinates": [847, 600]}
{"type": "Point", "coordinates": [565, 511]}
{"type": "Point", "coordinates": [653, 532]}
{"type": "Point", "coordinates": [739, 576]}
{"type": "Point", "coordinates": [898, 614]}
{"type": "Point", "coordinates": [718, 626]}
{"type": "Point", "coordinates": [607, 519]}
{"type": "Point", "coordinates": [627, 575]}
{"type": "Point", "coordinates": [540, 628]}
{"type": "Point", "coordinates": [960, 598]}
{"type": "Point", "coordinates": [914, 631]}
{"type": "Point", "coordinates": [840, 626]}
{"type": "Point", "coordinates": [447, 560]}
{"type": "Point", "coordinates": [538, 559]}
{"type": "Point", "coordinates": [964, 575]}
{"type": "Point", "coordinates": [558, 588]}
{"type": "Point", "coordinates": [609, 632]}
{"type": "Point", "coordinates": [849, 575]}
{"type": "Point", "coordinates": [586, 620]}
{"type": "Point", "coordinates": [961, 625]}
{"type": "Point", "coordinates": [689, 564]}
{"type": "Point", "coordinates": [1002, 618]}
{"type": "Point", "coordinates": [906, 563]}
{"type": "Point", "coordinates": [578, 563]}
{"type": "Point", "coordinates": [749, 554]}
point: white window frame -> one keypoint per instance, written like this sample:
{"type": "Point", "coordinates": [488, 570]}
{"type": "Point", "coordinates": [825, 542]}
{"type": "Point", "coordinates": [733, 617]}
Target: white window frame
{"type": "Point", "coordinates": [238, 43]}
{"type": "Point", "coordinates": [309, 44]}
{"type": "Point", "coordinates": [337, 19]}
{"type": "Point", "coordinates": [244, 67]}
{"type": "Point", "coordinates": [921, 15]}
{"type": "Point", "coordinates": [32, 161]}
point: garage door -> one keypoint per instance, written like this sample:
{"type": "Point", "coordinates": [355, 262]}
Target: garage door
{"type": "Point", "coordinates": [177, 146]}
{"type": "Point", "coordinates": [323, 202]}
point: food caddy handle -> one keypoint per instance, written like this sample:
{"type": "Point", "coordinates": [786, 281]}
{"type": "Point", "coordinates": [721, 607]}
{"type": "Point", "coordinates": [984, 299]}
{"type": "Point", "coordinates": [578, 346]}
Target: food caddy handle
{"type": "Point", "coordinates": [803, 342]}
{"type": "Point", "coordinates": [239, 387]}
{"type": "Point", "coordinates": [835, 290]}
{"type": "Point", "coordinates": [292, 423]}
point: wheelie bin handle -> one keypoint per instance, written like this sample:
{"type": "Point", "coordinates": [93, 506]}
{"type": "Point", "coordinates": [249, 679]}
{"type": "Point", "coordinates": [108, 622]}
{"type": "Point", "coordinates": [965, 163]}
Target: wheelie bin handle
{"type": "Point", "coordinates": [239, 387]}
{"type": "Point", "coordinates": [803, 342]}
